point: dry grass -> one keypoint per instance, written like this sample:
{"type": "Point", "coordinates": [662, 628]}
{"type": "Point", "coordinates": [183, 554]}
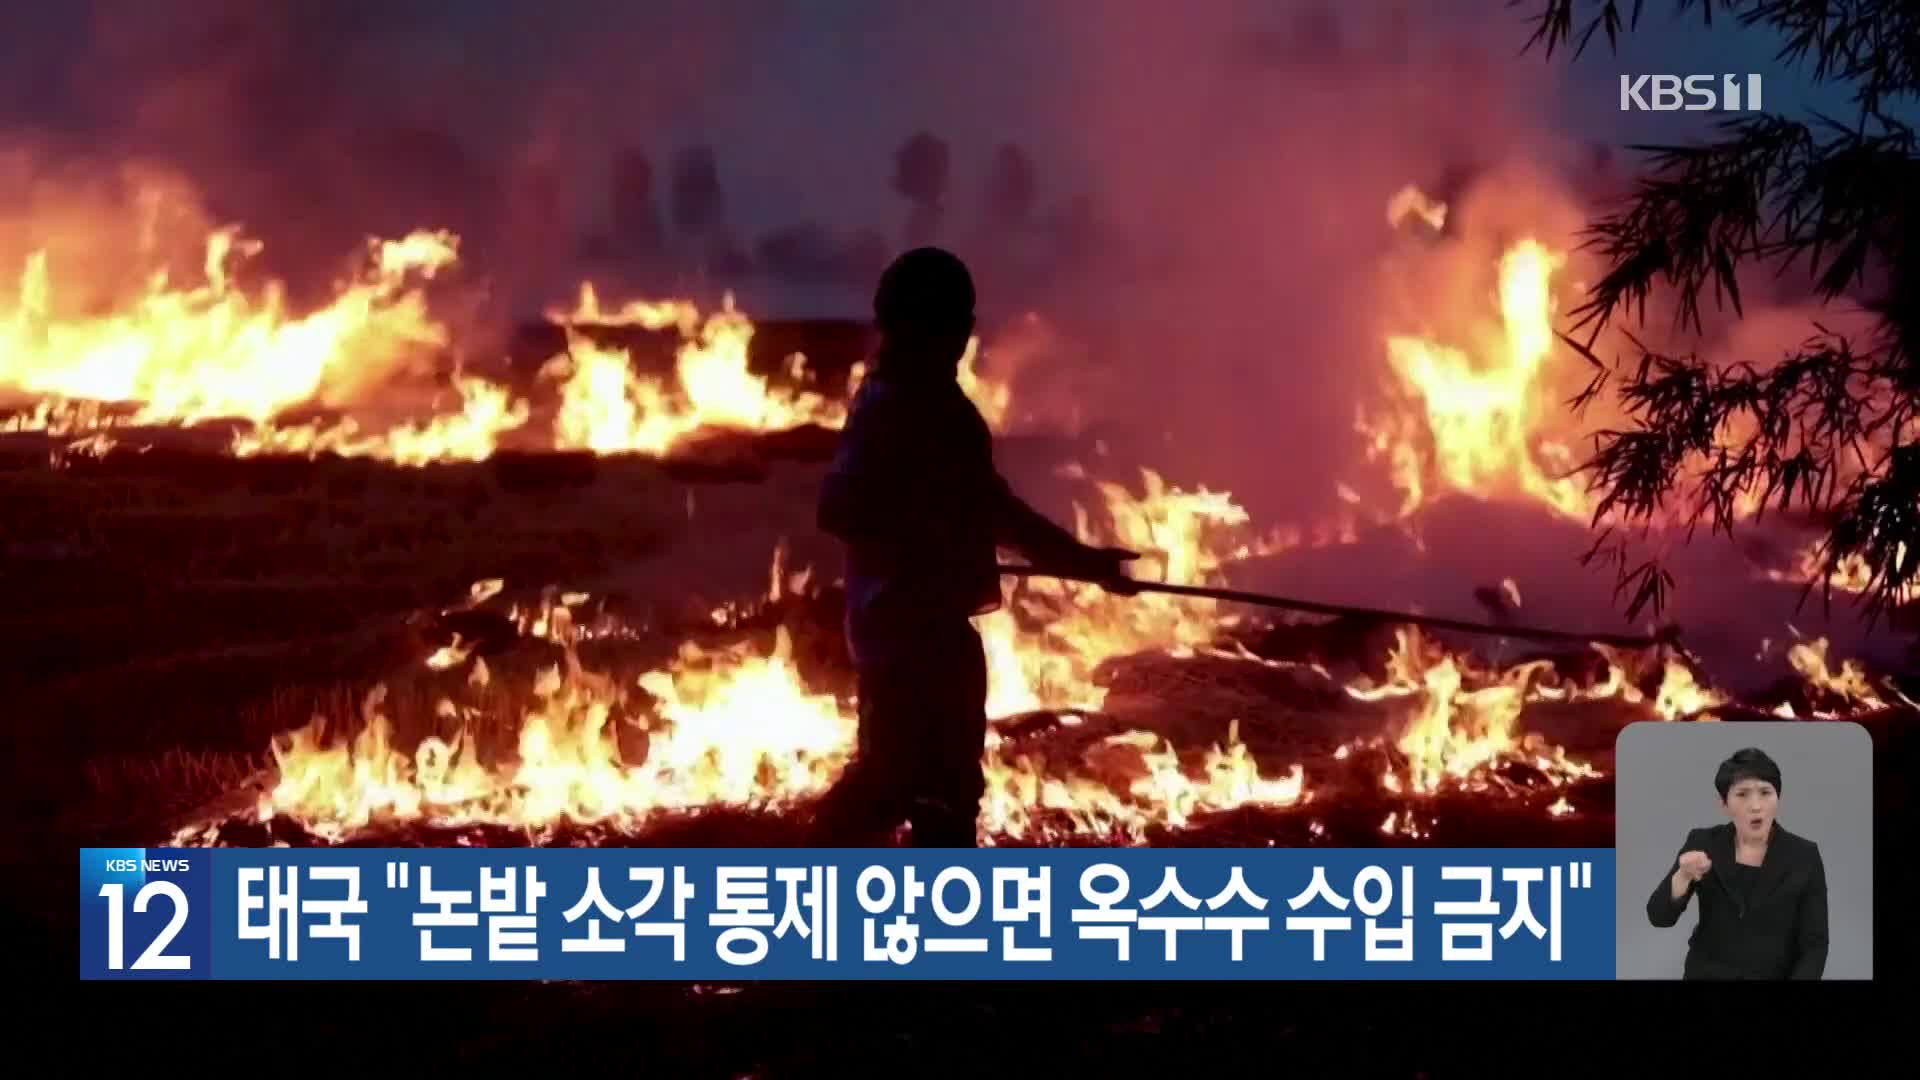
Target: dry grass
{"type": "Point", "coordinates": [126, 794]}
{"type": "Point", "coordinates": [107, 566]}
{"type": "Point", "coordinates": [165, 617]}
{"type": "Point", "coordinates": [169, 613]}
{"type": "Point", "coordinates": [178, 586]}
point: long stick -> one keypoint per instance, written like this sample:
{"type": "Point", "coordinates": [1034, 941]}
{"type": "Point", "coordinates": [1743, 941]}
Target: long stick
{"type": "Point", "coordinates": [1667, 636]}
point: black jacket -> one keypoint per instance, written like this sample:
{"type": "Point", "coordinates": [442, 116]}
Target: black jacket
{"type": "Point", "coordinates": [1777, 931]}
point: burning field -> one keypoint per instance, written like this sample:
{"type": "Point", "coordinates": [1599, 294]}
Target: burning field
{"type": "Point", "coordinates": [300, 578]}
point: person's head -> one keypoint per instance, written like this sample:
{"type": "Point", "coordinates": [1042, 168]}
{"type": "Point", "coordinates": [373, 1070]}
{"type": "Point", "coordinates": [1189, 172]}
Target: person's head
{"type": "Point", "coordinates": [923, 309]}
{"type": "Point", "coordinates": [1749, 786]}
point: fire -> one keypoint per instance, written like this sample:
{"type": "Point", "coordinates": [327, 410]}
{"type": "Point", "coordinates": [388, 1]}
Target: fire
{"type": "Point", "coordinates": [779, 739]}
{"type": "Point", "coordinates": [606, 407]}
{"type": "Point", "coordinates": [1462, 728]}
{"type": "Point", "coordinates": [1458, 734]}
{"type": "Point", "coordinates": [450, 655]}
{"type": "Point", "coordinates": [1677, 696]}
{"type": "Point", "coordinates": [1410, 200]}
{"type": "Point", "coordinates": [1162, 790]}
{"type": "Point", "coordinates": [1850, 685]}
{"type": "Point", "coordinates": [1851, 573]}
{"type": "Point", "coordinates": [990, 397]}
{"type": "Point", "coordinates": [184, 353]}
{"type": "Point", "coordinates": [1399, 824]}
{"type": "Point", "coordinates": [1680, 696]}
{"type": "Point", "coordinates": [1476, 422]}
{"type": "Point", "coordinates": [487, 412]}
{"type": "Point", "coordinates": [1183, 537]}
{"type": "Point", "coordinates": [733, 726]}
{"type": "Point", "coordinates": [1481, 409]}
{"type": "Point", "coordinates": [177, 353]}
{"type": "Point", "coordinates": [650, 314]}
{"type": "Point", "coordinates": [738, 726]}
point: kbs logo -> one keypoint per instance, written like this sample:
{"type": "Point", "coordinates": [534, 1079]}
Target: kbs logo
{"type": "Point", "coordinates": [1666, 93]}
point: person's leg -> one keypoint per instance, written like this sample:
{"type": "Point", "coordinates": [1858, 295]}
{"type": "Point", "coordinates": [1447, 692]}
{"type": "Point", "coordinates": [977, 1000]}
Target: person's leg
{"type": "Point", "coordinates": [945, 810]}
{"type": "Point", "coordinates": [868, 802]}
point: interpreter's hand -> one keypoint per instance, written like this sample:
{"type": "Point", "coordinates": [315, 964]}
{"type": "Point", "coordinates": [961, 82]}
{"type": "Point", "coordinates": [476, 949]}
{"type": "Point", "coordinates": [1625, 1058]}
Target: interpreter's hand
{"type": "Point", "coordinates": [1695, 864]}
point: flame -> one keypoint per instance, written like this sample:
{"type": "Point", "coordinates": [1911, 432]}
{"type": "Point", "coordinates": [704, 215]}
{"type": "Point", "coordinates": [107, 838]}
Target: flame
{"type": "Point", "coordinates": [1409, 201]}
{"type": "Point", "coordinates": [487, 412]}
{"type": "Point", "coordinates": [992, 398]}
{"type": "Point", "coordinates": [1511, 590]}
{"type": "Point", "coordinates": [732, 726]}
{"type": "Point", "coordinates": [727, 726]}
{"type": "Point", "coordinates": [1161, 791]}
{"type": "Point", "coordinates": [1851, 573]}
{"type": "Point", "coordinates": [776, 740]}
{"type": "Point", "coordinates": [184, 353]}
{"type": "Point", "coordinates": [181, 353]}
{"type": "Point", "coordinates": [1183, 537]}
{"type": "Point", "coordinates": [1459, 734]}
{"type": "Point", "coordinates": [1477, 423]}
{"type": "Point", "coordinates": [990, 394]}
{"type": "Point", "coordinates": [649, 314]}
{"type": "Point", "coordinates": [1480, 410]}
{"type": "Point", "coordinates": [452, 654]}
{"type": "Point", "coordinates": [1401, 823]}
{"type": "Point", "coordinates": [1679, 695]}
{"type": "Point", "coordinates": [739, 726]}
{"type": "Point", "coordinates": [1850, 684]}
{"type": "Point", "coordinates": [607, 407]}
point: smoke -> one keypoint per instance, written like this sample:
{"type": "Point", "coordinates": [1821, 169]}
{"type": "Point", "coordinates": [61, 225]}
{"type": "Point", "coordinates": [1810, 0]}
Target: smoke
{"type": "Point", "coordinates": [1193, 198]}
{"type": "Point", "coordinates": [317, 125]}
{"type": "Point", "coordinates": [1241, 280]}
{"type": "Point", "coordinates": [106, 229]}
{"type": "Point", "coordinates": [1234, 233]}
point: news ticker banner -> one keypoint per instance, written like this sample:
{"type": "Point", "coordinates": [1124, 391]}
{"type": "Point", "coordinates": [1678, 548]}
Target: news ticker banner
{"type": "Point", "coordinates": [823, 914]}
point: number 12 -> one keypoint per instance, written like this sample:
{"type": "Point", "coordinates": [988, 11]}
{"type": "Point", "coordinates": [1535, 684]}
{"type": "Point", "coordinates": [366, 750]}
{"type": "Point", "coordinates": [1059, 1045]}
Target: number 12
{"type": "Point", "coordinates": [155, 957]}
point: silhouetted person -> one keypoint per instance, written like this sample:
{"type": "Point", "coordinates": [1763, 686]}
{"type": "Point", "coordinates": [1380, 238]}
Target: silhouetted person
{"type": "Point", "coordinates": [915, 495]}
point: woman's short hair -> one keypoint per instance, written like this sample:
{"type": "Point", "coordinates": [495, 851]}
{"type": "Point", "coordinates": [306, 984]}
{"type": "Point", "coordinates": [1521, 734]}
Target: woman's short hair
{"type": "Point", "coordinates": [1746, 764]}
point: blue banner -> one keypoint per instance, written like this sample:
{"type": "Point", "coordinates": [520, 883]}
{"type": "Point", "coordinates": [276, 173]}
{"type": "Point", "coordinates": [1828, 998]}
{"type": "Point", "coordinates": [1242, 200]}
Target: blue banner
{"type": "Point", "coordinates": [705, 914]}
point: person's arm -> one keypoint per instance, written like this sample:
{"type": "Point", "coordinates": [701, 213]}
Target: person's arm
{"type": "Point", "coordinates": [1811, 924]}
{"type": "Point", "coordinates": [1019, 526]}
{"type": "Point", "coordinates": [1663, 906]}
